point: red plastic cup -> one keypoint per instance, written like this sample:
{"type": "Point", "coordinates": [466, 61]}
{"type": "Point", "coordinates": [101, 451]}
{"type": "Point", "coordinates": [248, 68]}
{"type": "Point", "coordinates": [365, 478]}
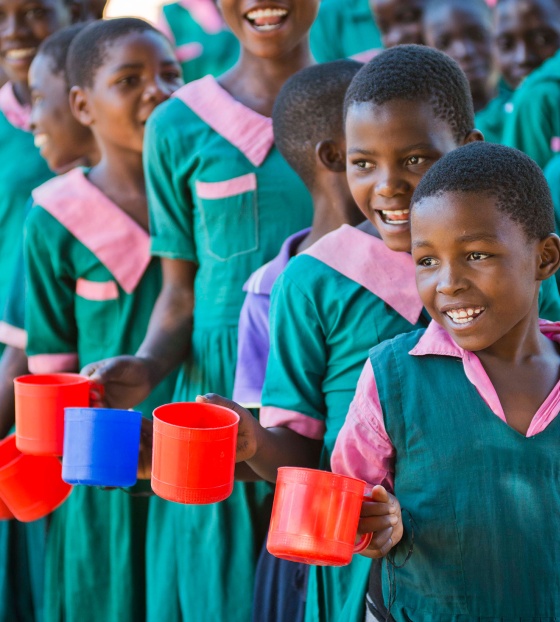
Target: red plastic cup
{"type": "Point", "coordinates": [194, 452]}
{"type": "Point", "coordinates": [5, 513]}
{"type": "Point", "coordinates": [40, 404]}
{"type": "Point", "coordinates": [315, 517]}
{"type": "Point", "coordinates": [30, 486]}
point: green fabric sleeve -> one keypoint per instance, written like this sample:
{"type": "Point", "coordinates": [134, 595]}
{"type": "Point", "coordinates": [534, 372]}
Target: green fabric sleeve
{"type": "Point", "coordinates": [49, 306]}
{"type": "Point", "coordinates": [298, 356]}
{"type": "Point", "coordinates": [549, 300]}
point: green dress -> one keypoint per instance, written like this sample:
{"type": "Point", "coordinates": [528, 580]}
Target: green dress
{"type": "Point", "coordinates": [533, 125]}
{"type": "Point", "coordinates": [21, 545]}
{"type": "Point", "coordinates": [491, 120]}
{"type": "Point", "coordinates": [220, 196]}
{"type": "Point", "coordinates": [202, 41]}
{"type": "Point", "coordinates": [347, 293]}
{"type": "Point", "coordinates": [344, 28]}
{"type": "Point", "coordinates": [485, 539]}
{"type": "Point", "coordinates": [91, 287]}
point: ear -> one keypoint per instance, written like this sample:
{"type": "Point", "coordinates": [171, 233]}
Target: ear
{"type": "Point", "coordinates": [549, 257]}
{"type": "Point", "coordinates": [474, 136]}
{"type": "Point", "coordinates": [79, 106]}
{"type": "Point", "coordinates": [331, 156]}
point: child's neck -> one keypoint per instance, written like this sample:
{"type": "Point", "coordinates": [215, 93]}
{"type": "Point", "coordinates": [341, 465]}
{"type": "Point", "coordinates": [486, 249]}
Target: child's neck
{"type": "Point", "coordinates": [255, 82]}
{"type": "Point", "coordinates": [121, 179]}
{"type": "Point", "coordinates": [22, 93]}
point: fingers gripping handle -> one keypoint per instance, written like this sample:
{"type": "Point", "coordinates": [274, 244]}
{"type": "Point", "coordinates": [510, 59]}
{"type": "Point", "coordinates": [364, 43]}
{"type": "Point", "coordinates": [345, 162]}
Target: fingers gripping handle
{"type": "Point", "coordinates": [365, 539]}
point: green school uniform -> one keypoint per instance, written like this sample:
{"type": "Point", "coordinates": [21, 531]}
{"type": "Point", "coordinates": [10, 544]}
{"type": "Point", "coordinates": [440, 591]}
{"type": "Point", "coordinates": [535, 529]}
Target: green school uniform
{"type": "Point", "coordinates": [220, 196]}
{"type": "Point", "coordinates": [347, 293]}
{"type": "Point", "coordinates": [204, 45]}
{"type": "Point", "coordinates": [490, 121]}
{"type": "Point", "coordinates": [533, 125]}
{"type": "Point", "coordinates": [484, 548]}
{"type": "Point", "coordinates": [91, 287]}
{"type": "Point", "coordinates": [344, 28]}
{"type": "Point", "coordinates": [21, 170]}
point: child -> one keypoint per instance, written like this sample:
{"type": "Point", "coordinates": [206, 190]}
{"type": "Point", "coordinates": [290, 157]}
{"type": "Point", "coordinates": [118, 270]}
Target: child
{"type": "Point", "coordinates": [307, 122]}
{"type": "Point", "coordinates": [222, 200]}
{"type": "Point", "coordinates": [460, 420]}
{"type": "Point", "coordinates": [204, 44]}
{"type": "Point", "coordinates": [464, 31]}
{"type": "Point", "coordinates": [91, 288]}
{"type": "Point", "coordinates": [533, 125]}
{"type": "Point", "coordinates": [399, 21]}
{"type": "Point", "coordinates": [345, 30]}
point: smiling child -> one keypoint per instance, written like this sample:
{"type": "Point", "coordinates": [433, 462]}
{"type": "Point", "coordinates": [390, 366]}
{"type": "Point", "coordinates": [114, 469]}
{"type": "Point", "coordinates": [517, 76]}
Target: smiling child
{"type": "Point", "coordinates": [466, 459]}
{"type": "Point", "coordinates": [399, 21]}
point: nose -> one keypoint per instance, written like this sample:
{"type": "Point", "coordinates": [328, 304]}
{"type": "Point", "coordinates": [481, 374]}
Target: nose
{"type": "Point", "coordinates": [523, 55]}
{"type": "Point", "coordinates": [450, 280]}
{"type": "Point", "coordinates": [157, 91]}
{"type": "Point", "coordinates": [461, 50]}
{"type": "Point", "coordinates": [388, 184]}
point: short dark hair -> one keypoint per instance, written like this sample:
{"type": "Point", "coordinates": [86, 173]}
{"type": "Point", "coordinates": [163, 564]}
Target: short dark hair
{"type": "Point", "coordinates": [309, 109]}
{"type": "Point", "coordinates": [416, 73]}
{"type": "Point", "coordinates": [508, 175]}
{"type": "Point", "coordinates": [56, 48]}
{"type": "Point", "coordinates": [87, 51]}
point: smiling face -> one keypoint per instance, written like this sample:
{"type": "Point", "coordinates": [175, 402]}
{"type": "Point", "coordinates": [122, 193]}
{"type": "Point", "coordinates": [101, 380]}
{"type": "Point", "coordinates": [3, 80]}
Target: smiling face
{"type": "Point", "coordinates": [389, 149]}
{"type": "Point", "coordinates": [269, 29]}
{"type": "Point", "coordinates": [24, 24]}
{"type": "Point", "coordinates": [527, 32]}
{"type": "Point", "coordinates": [464, 33]}
{"type": "Point", "coordinates": [399, 21]}
{"type": "Point", "coordinates": [476, 269]}
{"type": "Point", "coordinates": [139, 72]}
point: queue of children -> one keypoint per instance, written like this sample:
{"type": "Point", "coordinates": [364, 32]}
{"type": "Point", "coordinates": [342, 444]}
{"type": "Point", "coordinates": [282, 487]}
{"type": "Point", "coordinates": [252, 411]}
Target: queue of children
{"type": "Point", "coordinates": [253, 238]}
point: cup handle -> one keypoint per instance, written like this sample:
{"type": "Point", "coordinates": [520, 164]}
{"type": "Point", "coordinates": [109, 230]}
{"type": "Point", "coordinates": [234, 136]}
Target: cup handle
{"type": "Point", "coordinates": [99, 388]}
{"type": "Point", "coordinates": [366, 538]}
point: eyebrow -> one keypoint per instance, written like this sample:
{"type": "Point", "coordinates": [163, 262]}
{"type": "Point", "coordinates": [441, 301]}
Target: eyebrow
{"type": "Point", "coordinates": [125, 66]}
{"type": "Point", "coordinates": [406, 149]}
{"type": "Point", "coordinates": [475, 237]}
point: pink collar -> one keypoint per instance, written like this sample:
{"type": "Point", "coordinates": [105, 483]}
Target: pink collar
{"type": "Point", "coordinates": [366, 260]}
{"type": "Point", "coordinates": [244, 128]}
{"type": "Point", "coordinates": [119, 243]}
{"type": "Point", "coordinates": [19, 116]}
{"type": "Point", "coordinates": [205, 14]}
{"type": "Point", "coordinates": [436, 340]}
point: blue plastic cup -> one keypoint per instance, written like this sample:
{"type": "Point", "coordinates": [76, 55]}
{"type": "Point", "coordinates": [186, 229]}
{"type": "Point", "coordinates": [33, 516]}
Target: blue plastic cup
{"type": "Point", "coordinates": [101, 446]}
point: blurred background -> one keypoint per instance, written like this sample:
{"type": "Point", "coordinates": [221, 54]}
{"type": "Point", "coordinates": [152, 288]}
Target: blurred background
{"type": "Point", "coordinates": [148, 9]}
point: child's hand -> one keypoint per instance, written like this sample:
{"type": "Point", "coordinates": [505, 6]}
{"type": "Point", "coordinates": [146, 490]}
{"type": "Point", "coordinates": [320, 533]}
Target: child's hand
{"type": "Point", "coordinates": [146, 445]}
{"type": "Point", "coordinates": [382, 517]}
{"type": "Point", "coordinates": [248, 426]}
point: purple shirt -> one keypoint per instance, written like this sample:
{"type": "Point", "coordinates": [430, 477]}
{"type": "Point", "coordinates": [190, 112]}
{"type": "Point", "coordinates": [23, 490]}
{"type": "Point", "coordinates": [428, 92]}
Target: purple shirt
{"type": "Point", "coordinates": [254, 340]}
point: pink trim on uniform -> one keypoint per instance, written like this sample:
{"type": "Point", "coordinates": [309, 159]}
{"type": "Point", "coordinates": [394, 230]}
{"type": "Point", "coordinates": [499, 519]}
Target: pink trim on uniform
{"type": "Point", "coordinates": [19, 116]}
{"type": "Point", "coordinates": [13, 336]}
{"type": "Point", "coordinates": [366, 260]}
{"type": "Point", "coordinates": [94, 290]}
{"type": "Point", "coordinates": [272, 417]}
{"type": "Point", "coordinates": [205, 14]}
{"type": "Point", "coordinates": [367, 55]}
{"type": "Point", "coordinates": [244, 128]}
{"type": "Point", "coordinates": [53, 363]}
{"type": "Point", "coordinates": [121, 245]}
{"type": "Point", "coordinates": [227, 188]}
{"type": "Point", "coordinates": [363, 448]}
{"type": "Point", "coordinates": [555, 144]}
{"type": "Point", "coordinates": [189, 51]}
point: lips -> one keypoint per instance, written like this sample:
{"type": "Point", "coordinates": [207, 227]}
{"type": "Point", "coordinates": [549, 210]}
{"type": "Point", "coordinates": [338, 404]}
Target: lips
{"type": "Point", "coordinates": [267, 19]}
{"type": "Point", "coordinates": [395, 217]}
{"type": "Point", "coordinates": [464, 314]}
{"type": "Point", "coordinates": [20, 54]}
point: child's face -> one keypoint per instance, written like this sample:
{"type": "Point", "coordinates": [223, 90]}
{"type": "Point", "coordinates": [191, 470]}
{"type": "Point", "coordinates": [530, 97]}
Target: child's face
{"type": "Point", "coordinates": [476, 269]}
{"type": "Point", "coordinates": [465, 34]}
{"type": "Point", "coordinates": [60, 138]}
{"type": "Point", "coordinates": [269, 29]}
{"type": "Point", "coordinates": [139, 73]}
{"type": "Point", "coordinates": [527, 32]}
{"type": "Point", "coordinates": [399, 21]}
{"type": "Point", "coordinates": [24, 24]}
{"type": "Point", "coordinates": [389, 148]}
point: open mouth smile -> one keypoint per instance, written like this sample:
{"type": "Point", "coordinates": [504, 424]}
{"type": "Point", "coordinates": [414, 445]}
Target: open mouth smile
{"type": "Point", "coordinates": [395, 217]}
{"type": "Point", "coordinates": [267, 20]}
{"type": "Point", "coordinates": [464, 315]}
{"type": "Point", "coordinates": [20, 54]}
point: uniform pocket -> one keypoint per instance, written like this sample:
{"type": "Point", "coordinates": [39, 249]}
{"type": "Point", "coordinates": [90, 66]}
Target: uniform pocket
{"type": "Point", "coordinates": [229, 216]}
{"type": "Point", "coordinates": [97, 315]}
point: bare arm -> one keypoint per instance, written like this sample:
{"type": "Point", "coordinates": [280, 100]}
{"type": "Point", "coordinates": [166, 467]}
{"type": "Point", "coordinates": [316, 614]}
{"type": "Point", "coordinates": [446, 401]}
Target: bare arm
{"type": "Point", "coordinates": [12, 365]}
{"type": "Point", "coordinates": [128, 380]}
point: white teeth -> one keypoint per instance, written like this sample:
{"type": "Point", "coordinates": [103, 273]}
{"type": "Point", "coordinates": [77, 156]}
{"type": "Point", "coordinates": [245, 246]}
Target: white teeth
{"type": "Point", "coordinates": [395, 212]}
{"type": "Point", "coordinates": [40, 140]}
{"type": "Point", "coordinates": [263, 13]}
{"type": "Point", "coordinates": [464, 316]}
{"type": "Point", "coordinates": [21, 53]}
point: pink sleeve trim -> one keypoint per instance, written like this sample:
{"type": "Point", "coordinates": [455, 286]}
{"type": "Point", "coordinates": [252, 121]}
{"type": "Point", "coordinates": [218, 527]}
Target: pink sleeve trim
{"type": "Point", "coordinates": [555, 144]}
{"type": "Point", "coordinates": [53, 363]}
{"type": "Point", "coordinates": [188, 51]}
{"type": "Point", "coordinates": [19, 116]}
{"type": "Point", "coordinates": [92, 290]}
{"type": "Point", "coordinates": [366, 56]}
{"type": "Point", "coordinates": [13, 336]}
{"type": "Point", "coordinates": [227, 188]}
{"type": "Point", "coordinates": [272, 417]}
